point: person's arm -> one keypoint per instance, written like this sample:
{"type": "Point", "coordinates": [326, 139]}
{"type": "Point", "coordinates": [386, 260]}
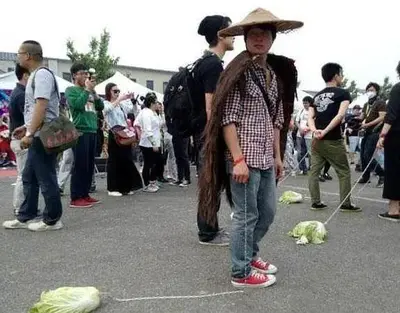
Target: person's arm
{"type": "Point", "coordinates": [44, 86]}
{"type": "Point", "coordinates": [98, 102]}
{"type": "Point", "coordinates": [209, 98]}
{"type": "Point", "coordinates": [209, 79]}
{"type": "Point", "coordinates": [229, 119]}
{"type": "Point", "coordinates": [337, 120]}
{"type": "Point", "coordinates": [77, 98]}
{"type": "Point", "coordinates": [311, 119]}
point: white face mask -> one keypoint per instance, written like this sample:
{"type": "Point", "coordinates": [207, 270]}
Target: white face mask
{"type": "Point", "coordinates": [371, 94]}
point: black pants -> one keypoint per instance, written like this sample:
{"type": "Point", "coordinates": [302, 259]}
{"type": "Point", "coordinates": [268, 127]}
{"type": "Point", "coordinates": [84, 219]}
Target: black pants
{"type": "Point", "coordinates": [82, 171]}
{"type": "Point", "coordinates": [151, 166]}
{"type": "Point", "coordinates": [368, 146]}
{"type": "Point", "coordinates": [206, 232]}
{"type": "Point", "coordinates": [181, 149]}
{"type": "Point", "coordinates": [122, 174]}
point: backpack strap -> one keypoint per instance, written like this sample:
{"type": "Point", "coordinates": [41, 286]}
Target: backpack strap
{"type": "Point", "coordinates": [265, 94]}
{"type": "Point", "coordinates": [54, 77]}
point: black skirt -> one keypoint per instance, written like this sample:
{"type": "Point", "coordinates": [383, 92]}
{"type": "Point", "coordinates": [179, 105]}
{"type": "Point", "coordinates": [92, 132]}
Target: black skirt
{"type": "Point", "coordinates": [122, 174]}
{"type": "Point", "coordinates": [391, 189]}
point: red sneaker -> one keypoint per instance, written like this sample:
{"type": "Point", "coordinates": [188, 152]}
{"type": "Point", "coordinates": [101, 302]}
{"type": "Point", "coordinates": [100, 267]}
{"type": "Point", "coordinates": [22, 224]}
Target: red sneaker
{"type": "Point", "coordinates": [80, 203]}
{"type": "Point", "coordinates": [254, 280]}
{"type": "Point", "coordinates": [92, 200]}
{"type": "Point", "coordinates": [263, 267]}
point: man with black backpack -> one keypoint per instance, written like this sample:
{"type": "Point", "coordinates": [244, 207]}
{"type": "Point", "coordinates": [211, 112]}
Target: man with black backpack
{"type": "Point", "coordinates": [206, 75]}
{"type": "Point", "coordinates": [187, 103]}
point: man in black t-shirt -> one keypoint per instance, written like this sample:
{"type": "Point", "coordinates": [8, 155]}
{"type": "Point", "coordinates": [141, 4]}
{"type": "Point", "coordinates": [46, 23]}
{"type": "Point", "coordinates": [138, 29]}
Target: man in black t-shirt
{"type": "Point", "coordinates": [206, 75]}
{"type": "Point", "coordinates": [325, 117]}
{"type": "Point", "coordinates": [16, 108]}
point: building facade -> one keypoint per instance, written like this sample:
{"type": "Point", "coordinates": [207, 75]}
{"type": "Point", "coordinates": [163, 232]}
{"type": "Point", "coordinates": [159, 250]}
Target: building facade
{"type": "Point", "coordinates": [153, 79]}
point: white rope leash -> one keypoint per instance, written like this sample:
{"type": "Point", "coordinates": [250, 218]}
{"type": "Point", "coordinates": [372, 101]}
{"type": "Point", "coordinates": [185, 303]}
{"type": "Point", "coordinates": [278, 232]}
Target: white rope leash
{"type": "Point", "coordinates": [179, 297]}
{"type": "Point", "coordinates": [295, 169]}
{"type": "Point", "coordinates": [351, 190]}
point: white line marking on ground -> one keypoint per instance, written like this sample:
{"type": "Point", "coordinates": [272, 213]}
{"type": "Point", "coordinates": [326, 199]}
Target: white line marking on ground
{"type": "Point", "coordinates": [180, 297]}
{"type": "Point", "coordinates": [336, 194]}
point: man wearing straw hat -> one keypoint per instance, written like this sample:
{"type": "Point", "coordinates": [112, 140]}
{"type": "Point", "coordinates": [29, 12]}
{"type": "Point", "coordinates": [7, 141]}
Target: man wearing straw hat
{"type": "Point", "coordinates": [252, 105]}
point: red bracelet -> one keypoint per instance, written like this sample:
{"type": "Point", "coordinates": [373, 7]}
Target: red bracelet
{"type": "Point", "coordinates": [238, 160]}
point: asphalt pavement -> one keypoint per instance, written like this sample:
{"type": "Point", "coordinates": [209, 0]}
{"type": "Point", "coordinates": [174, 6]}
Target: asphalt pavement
{"type": "Point", "coordinates": [146, 245]}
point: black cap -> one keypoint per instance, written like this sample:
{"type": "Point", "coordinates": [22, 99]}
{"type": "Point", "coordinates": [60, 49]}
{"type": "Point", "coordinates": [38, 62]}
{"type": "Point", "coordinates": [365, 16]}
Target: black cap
{"type": "Point", "coordinates": [211, 25]}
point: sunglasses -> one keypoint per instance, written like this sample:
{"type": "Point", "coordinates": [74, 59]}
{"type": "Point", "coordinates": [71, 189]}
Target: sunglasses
{"type": "Point", "coordinates": [116, 91]}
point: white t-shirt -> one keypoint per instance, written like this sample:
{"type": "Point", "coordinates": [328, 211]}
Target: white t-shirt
{"type": "Point", "coordinates": [302, 120]}
{"type": "Point", "coordinates": [150, 124]}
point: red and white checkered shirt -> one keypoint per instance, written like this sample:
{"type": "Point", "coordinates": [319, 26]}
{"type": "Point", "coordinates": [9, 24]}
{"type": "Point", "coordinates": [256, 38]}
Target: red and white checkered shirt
{"type": "Point", "coordinates": [253, 122]}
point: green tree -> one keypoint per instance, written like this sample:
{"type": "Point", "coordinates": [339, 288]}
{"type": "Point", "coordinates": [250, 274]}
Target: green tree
{"type": "Point", "coordinates": [97, 57]}
{"type": "Point", "coordinates": [351, 88]}
{"type": "Point", "coordinates": [385, 89]}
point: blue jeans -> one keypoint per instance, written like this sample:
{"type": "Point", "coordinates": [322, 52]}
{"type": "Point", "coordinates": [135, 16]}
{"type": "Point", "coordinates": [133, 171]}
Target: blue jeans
{"type": "Point", "coordinates": [40, 173]}
{"type": "Point", "coordinates": [254, 211]}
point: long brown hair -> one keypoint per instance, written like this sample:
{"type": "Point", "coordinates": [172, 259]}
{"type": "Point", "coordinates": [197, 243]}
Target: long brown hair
{"type": "Point", "coordinates": [109, 86]}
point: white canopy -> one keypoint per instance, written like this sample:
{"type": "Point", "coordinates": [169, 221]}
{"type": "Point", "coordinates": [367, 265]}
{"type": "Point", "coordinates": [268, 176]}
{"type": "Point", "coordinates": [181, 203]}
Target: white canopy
{"type": "Point", "coordinates": [125, 85]}
{"type": "Point", "coordinates": [9, 80]}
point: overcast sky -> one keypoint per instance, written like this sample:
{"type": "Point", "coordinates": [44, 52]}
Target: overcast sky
{"type": "Point", "coordinates": [163, 34]}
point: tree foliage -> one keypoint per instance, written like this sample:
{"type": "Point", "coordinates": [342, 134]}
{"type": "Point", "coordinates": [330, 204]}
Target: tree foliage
{"type": "Point", "coordinates": [97, 57]}
{"type": "Point", "coordinates": [351, 88]}
{"type": "Point", "coordinates": [385, 88]}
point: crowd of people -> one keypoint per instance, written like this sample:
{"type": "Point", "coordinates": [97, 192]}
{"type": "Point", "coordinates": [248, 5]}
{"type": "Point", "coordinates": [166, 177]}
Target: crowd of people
{"type": "Point", "coordinates": [241, 124]}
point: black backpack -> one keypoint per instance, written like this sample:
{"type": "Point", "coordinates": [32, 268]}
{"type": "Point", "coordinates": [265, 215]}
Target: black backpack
{"type": "Point", "coordinates": [180, 110]}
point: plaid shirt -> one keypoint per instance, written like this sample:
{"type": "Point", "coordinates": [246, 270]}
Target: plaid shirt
{"type": "Point", "coordinates": [252, 118]}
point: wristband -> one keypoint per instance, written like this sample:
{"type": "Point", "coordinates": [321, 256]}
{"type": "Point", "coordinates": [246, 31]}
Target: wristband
{"type": "Point", "coordinates": [238, 160]}
{"type": "Point", "coordinates": [382, 135]}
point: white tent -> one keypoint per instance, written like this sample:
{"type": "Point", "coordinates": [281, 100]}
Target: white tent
{"type": "Point", "coordinates": [9, 80]}
{"type": "Point", "coordinates": [125, 85]}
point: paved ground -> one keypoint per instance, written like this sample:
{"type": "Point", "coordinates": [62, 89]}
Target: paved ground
{"type": "Point", "coordinates": [145, 245]}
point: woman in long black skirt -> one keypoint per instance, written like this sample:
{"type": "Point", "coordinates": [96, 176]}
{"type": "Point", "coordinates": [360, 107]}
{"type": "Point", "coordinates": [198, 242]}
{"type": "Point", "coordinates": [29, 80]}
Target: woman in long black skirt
{"type": "Point", "coordinates": [390, 141]}
{"type": "Point", "coordinates": [122, 175]}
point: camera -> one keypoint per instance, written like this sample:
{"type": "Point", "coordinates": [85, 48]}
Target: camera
{"type": "Point", "coordinates": [92, 74]}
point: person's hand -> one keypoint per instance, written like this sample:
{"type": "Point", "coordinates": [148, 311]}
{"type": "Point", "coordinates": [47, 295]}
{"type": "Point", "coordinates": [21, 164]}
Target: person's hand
{"type": "Point", "coordinates": [19, 132]}
{"type": "Point", "coordinates": [89, 84]}
{"type": "Point", "coordinates": [381, 143]}
{"type": "Point", "coordinates": [241, 173]}
{"type": "Point", "coordinates": [155, 149]}
{"type": "Point", "coordinates": [363, 125]}
{"type": "Point", "coordinates": [126, 96]}
{"type": "Point", "coordinates": [26, 142]}
{"type": "Point", "coordinates": [318, 134]}
{"type": "Point", "coordinates": [278, 168]}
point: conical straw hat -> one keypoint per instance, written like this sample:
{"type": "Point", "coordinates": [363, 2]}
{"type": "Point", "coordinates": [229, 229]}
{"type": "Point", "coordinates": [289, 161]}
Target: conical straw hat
{"type": "Point", "coordinates": [260, 17]}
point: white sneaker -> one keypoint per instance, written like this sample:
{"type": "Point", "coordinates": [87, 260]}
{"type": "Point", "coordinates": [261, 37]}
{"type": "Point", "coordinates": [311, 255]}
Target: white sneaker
{"type": "Point", "coordinates": [15, 224]}
{"type": "Point", "coordinates": [185, 183]}
{"type": "Point", "coordinates": [42, 226]}
{"type": "Point", "coordinates": [114, 194]}
{"type": "Point", "coordinates": [151, 188]}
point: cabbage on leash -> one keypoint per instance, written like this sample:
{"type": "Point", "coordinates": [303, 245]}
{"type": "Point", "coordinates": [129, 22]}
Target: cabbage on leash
{"type": "Point", "coordinates": [68, 300]}
{"type": "Point", "coordinates": [289, 197]}
{"type": "Point", "coordinates": [309, 232]}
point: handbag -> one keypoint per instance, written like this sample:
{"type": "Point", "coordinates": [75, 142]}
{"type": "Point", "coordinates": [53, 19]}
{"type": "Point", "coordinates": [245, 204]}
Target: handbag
{"type": "Point", "coordinates": [125, 135]}
{"type": "Point", "coordinates": [60, 133]}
